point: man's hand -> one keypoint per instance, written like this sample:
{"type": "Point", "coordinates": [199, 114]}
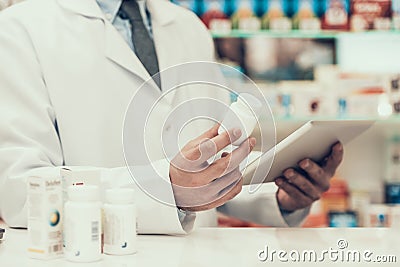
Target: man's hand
{"type": "Point", "coordinates": [198, 185]}
{"type": "Point", "coordinates": [297, 191]}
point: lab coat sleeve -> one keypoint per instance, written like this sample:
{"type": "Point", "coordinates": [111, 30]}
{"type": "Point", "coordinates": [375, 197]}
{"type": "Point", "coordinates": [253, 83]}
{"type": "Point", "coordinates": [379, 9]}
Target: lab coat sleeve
{"type": "Point", "coordinates": [29, 139]}
{"type": "Point", "coordinates": [154, 215]}
{"type": "Point", "coordinates": [262, 207]}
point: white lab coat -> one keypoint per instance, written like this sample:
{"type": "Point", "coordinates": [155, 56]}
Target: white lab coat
{"type": "Point", "coordinates": [64, 64]}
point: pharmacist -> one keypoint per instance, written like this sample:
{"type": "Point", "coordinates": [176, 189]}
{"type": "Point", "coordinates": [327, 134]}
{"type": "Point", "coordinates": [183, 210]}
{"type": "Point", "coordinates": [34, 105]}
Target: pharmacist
{"type": "Point", "coordinates": [67, 72]}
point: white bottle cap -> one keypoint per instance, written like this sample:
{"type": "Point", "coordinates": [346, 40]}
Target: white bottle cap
{"type": "Point", "coordinates": [83, 193]}
{"type": "Point", "coordinates": [250, 103]}
{"type": "Point", "coordinates": [120, 196]}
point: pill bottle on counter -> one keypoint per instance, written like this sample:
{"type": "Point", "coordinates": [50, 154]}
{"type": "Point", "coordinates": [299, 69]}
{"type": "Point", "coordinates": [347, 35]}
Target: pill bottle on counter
{"type": "Point", "coordinates": [242, 114]}
{"type": "Point", "coordinates": [379, 215]}
{"type": "Point", "coordinates": [82, 228]}
{"type": "Point", "coordinates": [120, 222]}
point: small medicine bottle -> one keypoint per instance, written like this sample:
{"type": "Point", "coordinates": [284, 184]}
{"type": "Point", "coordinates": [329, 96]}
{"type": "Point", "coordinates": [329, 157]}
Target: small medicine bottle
{"type": "Point", "coordinates": [82, 228]}
{"type": "Point", "coordinates": [242, 114]}
{"type": "Point", "coordinates": [120, 222]}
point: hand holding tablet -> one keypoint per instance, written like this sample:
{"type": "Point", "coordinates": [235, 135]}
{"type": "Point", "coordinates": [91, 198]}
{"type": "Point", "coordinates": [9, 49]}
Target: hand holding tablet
{"type": "Point", "coordinates": [305, 161]}
{"type": "Point", "coordinates": [314, 140]}
{"type": "Point", "coordinates": [300, 187]}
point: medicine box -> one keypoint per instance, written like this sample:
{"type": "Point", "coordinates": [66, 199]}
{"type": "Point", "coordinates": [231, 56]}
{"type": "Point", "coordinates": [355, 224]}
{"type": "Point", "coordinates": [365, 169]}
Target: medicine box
{"type": "Point", "coordinates": [45, 209]}
{"type": "Point", "coordinates": [276, 15]}
{"type": "Point", "coordinates": [335, 14]}
{"type": "Point", "coordinates": [371, 15]}
{"type": "Point", "coordinates": [306, 15]}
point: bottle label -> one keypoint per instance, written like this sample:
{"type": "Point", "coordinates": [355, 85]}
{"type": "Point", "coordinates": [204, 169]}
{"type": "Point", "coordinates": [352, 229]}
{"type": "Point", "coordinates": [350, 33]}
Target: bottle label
{"type": "Point", "coordinates": [95, 231]}
{"type": "Point", "coordinates": [82, 232]}
{"type": "Point", "coordinates": [119, 230]}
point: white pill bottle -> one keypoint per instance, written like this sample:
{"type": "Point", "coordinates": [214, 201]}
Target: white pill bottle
{"type": "Point", "coordinates": [120, 222]}
{"type": "Point", "coordinates": [242, 114]}
{"type": "Point", "coordinates": [82, 227]}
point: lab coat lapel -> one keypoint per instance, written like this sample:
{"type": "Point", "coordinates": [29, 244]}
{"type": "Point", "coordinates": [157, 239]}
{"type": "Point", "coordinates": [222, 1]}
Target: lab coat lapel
{"type": "Point", "coordinates": [87, 8]}
{"type": "Point", "coordinates": [118, 51]}
{"type": "Point", "coordinates": [116, 48]}
{"type": "Point", "coordinates": [168, 48]}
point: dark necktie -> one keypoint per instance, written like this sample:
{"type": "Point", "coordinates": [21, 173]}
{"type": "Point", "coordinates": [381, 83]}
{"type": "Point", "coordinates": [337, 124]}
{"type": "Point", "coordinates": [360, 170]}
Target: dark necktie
{"type": "Point", "coordinates": [142, 41]}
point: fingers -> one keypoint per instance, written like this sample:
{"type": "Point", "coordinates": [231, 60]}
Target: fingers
{"type": "Point", "coordinates": [235, 190]}
{"type": "Point", "coordinates": [203, 195]}
{"type": "Point", "coordinates": [210, 133]}
{"type": "Point", "coordinates": [239, 154]}
{"type": "Point", "coordinates": [209, 147]}
{"type": "Point", "coordinates": [230, 162]}
{"type": "Point", "coordinates": [316, 173]}
{"type": "Point", "coordinates": [224, 139]}
{"type": "Point", "coordinates": [298, 191]}
{"type": "Point", "coordinates": [320, 175]}
{"type": "Point", "coordinates": [225, 183]}
{"type": "Point", "coordinates": [295, 199]}
{"type": "Point", "coordinates": [334, 159]}
{"type": "Point", "coordinates": [303, 184]}
{"type": "Point", "coordinates": [228, 194]}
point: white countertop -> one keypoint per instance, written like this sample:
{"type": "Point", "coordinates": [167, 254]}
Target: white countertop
{"type": "Point", "coordinates": [224, 247]}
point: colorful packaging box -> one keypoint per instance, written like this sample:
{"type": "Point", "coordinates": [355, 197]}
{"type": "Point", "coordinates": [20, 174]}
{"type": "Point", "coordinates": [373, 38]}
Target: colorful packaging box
{"type": "Point", "coordinates": [212, 10]}
{"type": "Point", "coordinates": [276, 15]}
{"type": "Point", "coordinates": [335, 15]}
{"type": "Point", "coordinates": [189, 4]}
{"type": "Point", "coordinates": [371, 14]}
{"type": "Point", "coordinates": [306, 15]}
{"type": "Point", "coordinates": [245, 14]}
{"type": "Point", "coordinates": [45, 207]}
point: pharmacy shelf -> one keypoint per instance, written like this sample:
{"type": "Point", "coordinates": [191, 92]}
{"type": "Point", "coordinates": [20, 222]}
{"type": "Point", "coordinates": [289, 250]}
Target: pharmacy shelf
{"type": "Point", "coordinates": [381, 129]}
{"type": "Point", "coordinates": [389, 120]}
{"type": "Point", "coordinates": [300, 34]}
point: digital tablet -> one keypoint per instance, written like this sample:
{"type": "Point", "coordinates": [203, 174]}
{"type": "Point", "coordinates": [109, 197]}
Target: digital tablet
{"type": "Point", "coordinates": [313, 140]}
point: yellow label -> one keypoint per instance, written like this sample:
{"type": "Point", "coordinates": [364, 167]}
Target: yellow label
{"type": "Point", "coordinates": [41, 251]}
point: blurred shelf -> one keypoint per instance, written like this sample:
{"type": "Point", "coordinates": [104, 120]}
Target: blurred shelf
{"type": "Point", "coordinates": [391, 120]}
{"type": "Point", "coordinates": [301, 34]}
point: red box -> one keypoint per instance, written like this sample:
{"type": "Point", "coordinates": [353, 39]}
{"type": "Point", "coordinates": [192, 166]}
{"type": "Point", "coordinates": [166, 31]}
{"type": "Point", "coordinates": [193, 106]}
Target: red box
{"type": "Point", "coordinates": [370, 14]}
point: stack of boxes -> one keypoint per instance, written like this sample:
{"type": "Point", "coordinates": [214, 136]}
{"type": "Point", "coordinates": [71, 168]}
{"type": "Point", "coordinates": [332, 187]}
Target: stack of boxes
{"type": "Point", "coordinates": [284, 15]}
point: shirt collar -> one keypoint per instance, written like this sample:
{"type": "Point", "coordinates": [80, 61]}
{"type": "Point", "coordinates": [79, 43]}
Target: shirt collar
{"type": "Point", "coordinates": [111, 7]}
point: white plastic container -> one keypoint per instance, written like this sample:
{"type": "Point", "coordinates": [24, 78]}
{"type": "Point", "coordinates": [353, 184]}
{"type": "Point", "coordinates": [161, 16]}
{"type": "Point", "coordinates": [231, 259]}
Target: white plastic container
{"type": "Point", "coordinates": [242, 114]}
{"type": "Point", "coordinates": [82, 227]}
{"type": "Point", "coordinates": [120, 222]}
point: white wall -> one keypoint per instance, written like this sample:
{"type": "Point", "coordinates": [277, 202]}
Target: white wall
{"type": "Point", "coordinates": [369, 52]}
